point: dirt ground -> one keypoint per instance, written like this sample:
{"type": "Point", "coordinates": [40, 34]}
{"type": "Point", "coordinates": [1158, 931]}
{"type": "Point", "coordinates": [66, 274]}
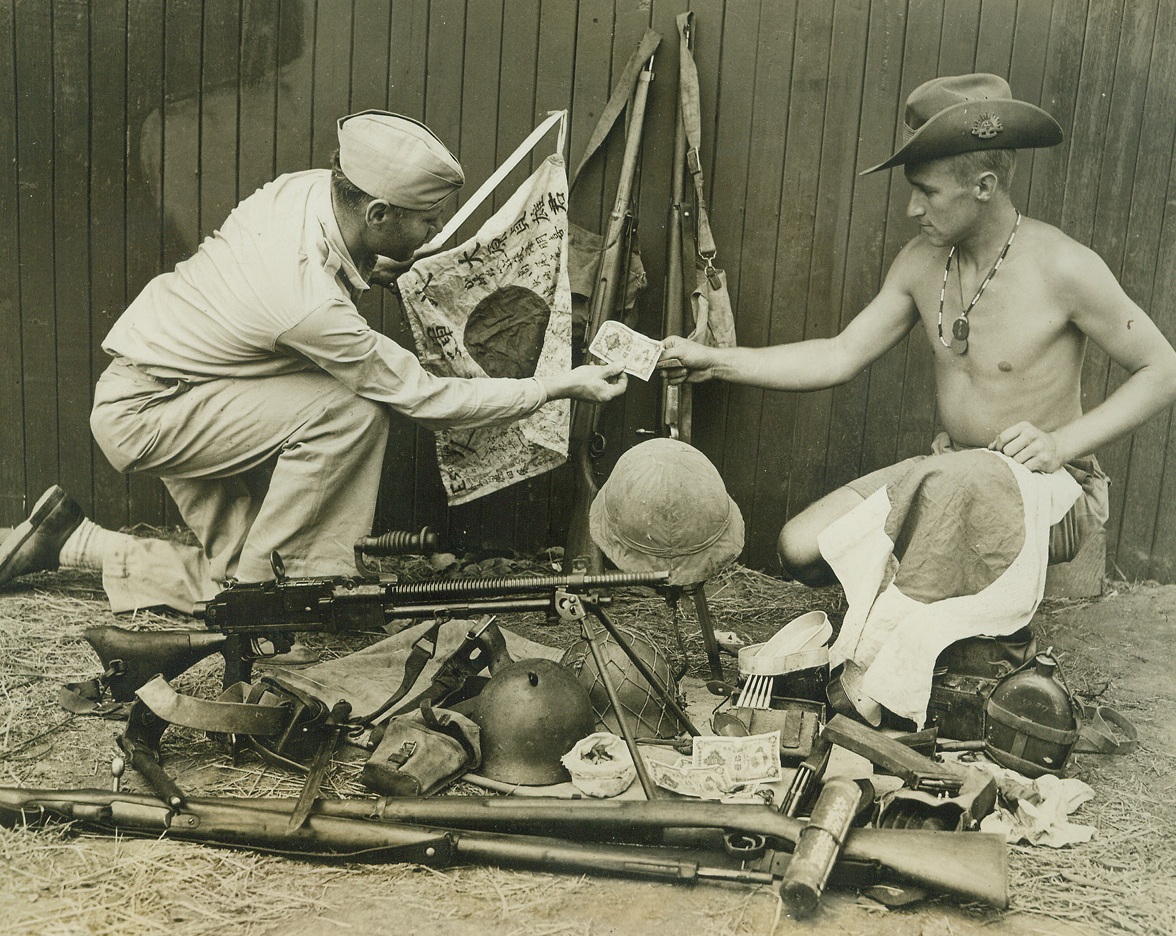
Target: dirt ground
{"type": "Point", "coordinates": [1115, 650]}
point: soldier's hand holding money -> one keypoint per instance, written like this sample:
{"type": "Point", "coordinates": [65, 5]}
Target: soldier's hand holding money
{"type": "Point", "coordinates": [685, 361]}
{"type": "Point", "coordinates": [592, 383]}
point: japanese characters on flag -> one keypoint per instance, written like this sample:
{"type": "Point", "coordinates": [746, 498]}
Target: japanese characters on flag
{"type": "Point", "coordinates": [499, 305]}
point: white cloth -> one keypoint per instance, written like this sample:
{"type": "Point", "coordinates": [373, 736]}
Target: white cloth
{"type": "Point", "coordinates": [889, 641]}
{"type": "Point", "coordinates": [1044, 817]}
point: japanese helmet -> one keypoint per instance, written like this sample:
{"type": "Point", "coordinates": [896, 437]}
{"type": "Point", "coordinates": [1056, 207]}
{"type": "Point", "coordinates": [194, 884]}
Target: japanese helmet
{"type": "Point", "coordinates": [531, 713]}
{"type": "Point", "coordinates": [645, 712]}
{"type": "Point", "coordinates": [1031, 722]}
{"type": "Point", "coordinates": [664, 507]}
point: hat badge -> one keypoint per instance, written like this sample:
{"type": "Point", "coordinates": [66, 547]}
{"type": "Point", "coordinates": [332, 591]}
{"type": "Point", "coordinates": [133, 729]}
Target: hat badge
{"type": "Point", "coordinates": [987, 126]}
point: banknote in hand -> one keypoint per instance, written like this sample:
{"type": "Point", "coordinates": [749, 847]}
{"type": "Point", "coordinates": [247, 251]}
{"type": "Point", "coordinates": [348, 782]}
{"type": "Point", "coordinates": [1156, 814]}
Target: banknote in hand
{"type": "Point", "coordinates": [616, 343]}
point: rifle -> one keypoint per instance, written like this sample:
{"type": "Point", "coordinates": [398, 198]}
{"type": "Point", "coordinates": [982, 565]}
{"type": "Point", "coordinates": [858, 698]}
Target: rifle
{"type": "Point", "coordinates": [676, 399]}
{"type": "Point", "coordinates": [586, 416]}
{"type": "Point", "coordinates": [969, 865]}
{"type": "Point", "coordinates": [250, 621]}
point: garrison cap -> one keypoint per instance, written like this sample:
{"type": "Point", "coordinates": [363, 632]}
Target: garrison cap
{"type": "Point", "coordinates": [398, 159]}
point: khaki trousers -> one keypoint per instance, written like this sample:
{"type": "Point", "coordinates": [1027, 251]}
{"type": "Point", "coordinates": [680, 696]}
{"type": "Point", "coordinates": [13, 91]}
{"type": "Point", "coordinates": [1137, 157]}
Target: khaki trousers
{"type": "Point", "coordinates": [288, 464]}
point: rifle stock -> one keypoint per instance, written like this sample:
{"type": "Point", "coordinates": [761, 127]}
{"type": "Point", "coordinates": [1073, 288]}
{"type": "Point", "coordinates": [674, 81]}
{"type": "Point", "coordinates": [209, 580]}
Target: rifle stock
{"type": "Point", "coordinates": [131, 658]}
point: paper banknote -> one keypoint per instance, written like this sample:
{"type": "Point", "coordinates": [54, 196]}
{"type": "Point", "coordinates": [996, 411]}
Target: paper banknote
{"type": "Point", "coordinates": [720, 765]}
{"type": "Point", "coordinates": [616, 343]}
{"type": "Point", "coordinates": [683, 777]}
{"type": "Point", "coordinates": [748, 759]}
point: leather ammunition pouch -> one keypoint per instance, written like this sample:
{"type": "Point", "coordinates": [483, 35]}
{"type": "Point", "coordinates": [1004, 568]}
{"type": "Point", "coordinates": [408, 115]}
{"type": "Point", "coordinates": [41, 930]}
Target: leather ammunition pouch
{"type": "Point", "coordinates": [965, 675]}
{"type": "Point", "coordinates": [799, 722]}
{"type": "Point", "coordinates": [917, 809]}
{"type": "Point", "coordinates": [300, 732]}
{"type": "Point", "coordinates": [422, 751]}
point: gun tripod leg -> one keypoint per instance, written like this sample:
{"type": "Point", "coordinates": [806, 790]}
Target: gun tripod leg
{"type": "Point", "coordinates": [647, 783]}
{"type": "Point", "coordinates": [706, 624]}
{"type": "Point", "coordinates": [663, 693]}
{"type": "Point", "coordinates": [571, 608]}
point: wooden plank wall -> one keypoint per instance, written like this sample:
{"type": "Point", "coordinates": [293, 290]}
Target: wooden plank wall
{"type": "Point", "coordinates": [131, 128]}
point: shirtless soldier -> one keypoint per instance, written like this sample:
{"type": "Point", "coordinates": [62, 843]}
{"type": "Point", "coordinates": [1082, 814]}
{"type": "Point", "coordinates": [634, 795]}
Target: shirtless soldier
{"type": "Point", "coordinates": [1008, 363]}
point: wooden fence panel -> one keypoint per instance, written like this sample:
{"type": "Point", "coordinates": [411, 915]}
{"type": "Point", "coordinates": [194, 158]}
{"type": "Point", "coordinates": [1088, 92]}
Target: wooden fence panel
{"type": "Point", "coordinates": [955, 26]}
{"type": "Point", "coordinates": [717, 30]}
{"type": "Point", "coordinates": [71, 295]}
{"type": "Point", "coordinates": [108, 220]}
{"type": "Point", "coordinates": [155, 119]}
{"type": "Point", "coordinates": [1116, 181]}
{"type": "Point", "coordinates": [12, 455]}
{"type": "Point", "coordinates": [785, 442]}
{"type": "Point", "coordinates": [401, 503]}
{"type": "Point", "coordinates": [878, 113]}
{"type": "Point", "coordinates": [34, 153]}
{"type": "Point", "coordinates": [744, 204]}
{"type": "Point", "coordinates": [144, 183]}
{"type": "Point", "coordinates": [833, 277]}
{"type": "Point", "coordinates": [527, 505]}
{"type": "Point", "coordinates": [1026, 76]}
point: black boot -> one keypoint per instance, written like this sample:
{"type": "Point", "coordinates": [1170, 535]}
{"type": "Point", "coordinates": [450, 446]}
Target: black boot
{"type": "Point", "coordinates": [35, 545]}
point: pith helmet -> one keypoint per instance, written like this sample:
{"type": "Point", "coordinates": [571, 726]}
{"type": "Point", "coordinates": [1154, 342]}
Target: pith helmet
{"type": "Point", "coordinates": [531, 713]}
{"type": "Point", "coordinates": [664, 507]}
{"type": "Point", "coordinates": [964, 113]}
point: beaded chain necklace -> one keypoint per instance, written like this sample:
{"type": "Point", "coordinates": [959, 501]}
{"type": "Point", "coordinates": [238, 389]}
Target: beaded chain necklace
{"type": "Point", "coordinates": [960, 328]}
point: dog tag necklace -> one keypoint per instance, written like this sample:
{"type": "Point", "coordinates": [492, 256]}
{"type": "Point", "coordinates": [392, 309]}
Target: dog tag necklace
{"type": "Point", "coordinates": [960, 328]}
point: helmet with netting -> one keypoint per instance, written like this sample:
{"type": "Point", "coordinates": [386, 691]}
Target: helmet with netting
{"type": "Point", "coordinates": [646, 714]}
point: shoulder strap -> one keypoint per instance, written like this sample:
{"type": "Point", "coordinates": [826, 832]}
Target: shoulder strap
{"type": "Point", "coordinates": [619, 99]}
{"type": "Point", "coordinates": [688, 103]}
{"type": "Point", "coordinates": [486, 188]}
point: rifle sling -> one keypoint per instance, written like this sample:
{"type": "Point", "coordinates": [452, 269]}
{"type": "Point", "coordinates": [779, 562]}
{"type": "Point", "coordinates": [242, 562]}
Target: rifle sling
{"type": "Point", "coordinates": [688, 103]}
{"type": "Point", "coordinates": [423, 650]}
{"type": "Point", "coordinates": [619, 99]}
{"type": "Point", "coordinates": [230, 714]}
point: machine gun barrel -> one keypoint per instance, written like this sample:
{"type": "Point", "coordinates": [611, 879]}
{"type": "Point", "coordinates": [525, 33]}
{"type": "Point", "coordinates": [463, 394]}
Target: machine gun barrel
{"type": "Point", "coordinates": [514, 585]}
{"type": "Point", "coordinates": [244, 617]}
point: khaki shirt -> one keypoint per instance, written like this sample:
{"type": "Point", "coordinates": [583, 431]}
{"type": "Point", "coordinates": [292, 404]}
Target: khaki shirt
{"type": "Point", "coordinates": [273, 292]}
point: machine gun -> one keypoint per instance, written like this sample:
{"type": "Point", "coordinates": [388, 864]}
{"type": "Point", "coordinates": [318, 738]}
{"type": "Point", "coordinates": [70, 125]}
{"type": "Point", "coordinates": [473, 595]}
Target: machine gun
{"type": "Point", "coordinates": [247, 622]}
{"type": "Point", "coordinates": [580, 836]}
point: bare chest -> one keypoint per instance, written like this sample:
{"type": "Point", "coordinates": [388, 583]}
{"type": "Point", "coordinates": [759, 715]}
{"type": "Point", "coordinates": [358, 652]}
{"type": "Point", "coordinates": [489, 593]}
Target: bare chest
{"type": "Point", "coordinates": [1010, 322]}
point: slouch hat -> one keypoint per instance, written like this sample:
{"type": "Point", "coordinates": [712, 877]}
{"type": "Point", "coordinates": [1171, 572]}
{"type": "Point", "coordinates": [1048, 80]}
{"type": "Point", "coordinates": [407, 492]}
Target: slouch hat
{"type": "Point", "coordinates": [965, 113]}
